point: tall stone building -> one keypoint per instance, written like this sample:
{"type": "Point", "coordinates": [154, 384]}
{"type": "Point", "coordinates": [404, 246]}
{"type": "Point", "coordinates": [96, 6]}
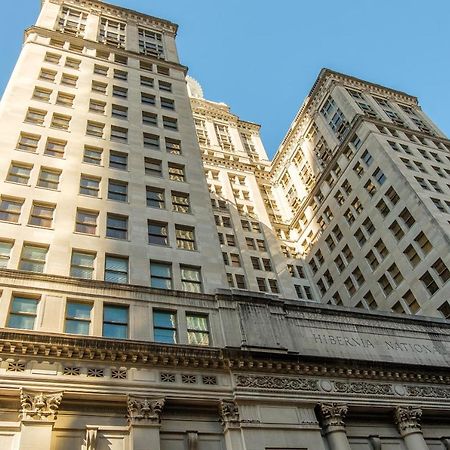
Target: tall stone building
{"type": "Point", "coordinates": [162, 281]}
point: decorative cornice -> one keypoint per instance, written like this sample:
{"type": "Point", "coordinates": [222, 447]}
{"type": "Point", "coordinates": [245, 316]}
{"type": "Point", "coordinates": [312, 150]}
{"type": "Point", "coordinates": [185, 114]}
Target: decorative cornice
{"type": "Point", "coordinates": [408, 419]}
{"type": "Point", "coordinates": [41, 406]}
{"type": "Point", "coordinates": [144, 410]}
{"type": "Point", "coordinates": [333, 415]}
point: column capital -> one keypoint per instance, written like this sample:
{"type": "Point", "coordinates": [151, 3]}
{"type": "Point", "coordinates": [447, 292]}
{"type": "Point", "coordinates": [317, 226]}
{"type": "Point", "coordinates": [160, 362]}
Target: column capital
{"type": "Point", "coordinates": [407, 419]}
{"type": "Point", "coordinates": [229, 412]}
{"type": "Point", "coordinates": [144, 410]}
{"type": "Point", "coordinates": [39, 406]}
{"type": "Point", "coordinates": [333, 415]}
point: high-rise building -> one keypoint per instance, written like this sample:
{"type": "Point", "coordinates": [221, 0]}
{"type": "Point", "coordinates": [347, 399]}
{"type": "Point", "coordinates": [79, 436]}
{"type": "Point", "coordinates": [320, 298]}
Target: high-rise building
{"type": "Point", "coordinates": [161, 279]}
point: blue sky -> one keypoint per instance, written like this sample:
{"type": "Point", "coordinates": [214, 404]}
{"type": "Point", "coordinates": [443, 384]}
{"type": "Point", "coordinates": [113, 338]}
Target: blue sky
{"type": "Point", "coordinates": [261, 57]}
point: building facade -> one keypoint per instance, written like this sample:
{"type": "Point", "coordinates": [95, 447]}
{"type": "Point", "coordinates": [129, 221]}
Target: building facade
{"type": "Point", "coordinates": [165, 286]}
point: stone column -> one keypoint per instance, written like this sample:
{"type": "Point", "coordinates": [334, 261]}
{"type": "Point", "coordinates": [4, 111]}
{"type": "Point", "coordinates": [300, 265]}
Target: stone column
{"type": "Point", "coordinates": [333, 415]}
{"type": "Point", "coordinates": [38, 415]}
{"type": "Point", "coordinates": [408, 419]}
{"type": "Point", "coordinates": [229, 414]}
{"type": "Point", "coordinates": [144, 419]}
{"type": "Point", "coordinates": [446, 442]}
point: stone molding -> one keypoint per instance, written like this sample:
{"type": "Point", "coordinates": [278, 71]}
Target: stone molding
{"type": "Point", "coordinates": [144, 410]}
{"type": "Point", "coordinates": [408, 419]}
{"type": "Point", "coordinates": [229, 412]}
{"type": "Point", "coordinates": [41, 406]}
{"type": "Point", "coordinates": [333, 415]}
{"type": "Point", "coordinates": [271, 382]}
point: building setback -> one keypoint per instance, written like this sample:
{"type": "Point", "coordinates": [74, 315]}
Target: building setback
{"type": "Point", "coordinates": [165, 285]}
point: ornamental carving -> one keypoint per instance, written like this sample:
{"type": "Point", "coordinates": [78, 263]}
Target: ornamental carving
{"type": "Point", "coordinates": [408, 419]}
{"type": "Point", "coordinates": [91, 438]}
{"type": "Point", "coordinates": [333, 415]}
{"type": "Point", "coordinates": [229, 412]}
{"type": "Point", "coordinates": [285, 383]}
{"type": "Point", "coordinates": [39, 405]}
{"type": "Point", "coordinates": [142, 409]}
{"type": "Point", "coordinates": [428, 391]}
{"type": "Point", "coordinates": [364, 388]}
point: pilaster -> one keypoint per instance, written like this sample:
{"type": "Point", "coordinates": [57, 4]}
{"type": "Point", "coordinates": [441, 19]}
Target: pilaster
{"type": "Point", "coordinates": [408, 421]}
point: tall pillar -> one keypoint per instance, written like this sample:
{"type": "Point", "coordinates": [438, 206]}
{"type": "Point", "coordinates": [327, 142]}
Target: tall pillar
{"type": "Point", "coordinates": [408, 419]}
{"type": "Point", "coordinates": [38, 415]}
{"type": "Point", "coordinates": [333, 425]}
{"type": "Point", "coordinates": [229, 413]}
{"type": "Point", "coordinates": [144, 419]}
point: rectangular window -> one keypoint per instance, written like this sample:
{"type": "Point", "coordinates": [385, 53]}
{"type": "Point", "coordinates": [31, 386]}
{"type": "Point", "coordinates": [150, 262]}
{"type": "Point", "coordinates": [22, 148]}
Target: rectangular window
{"type": "Point", "coordinates": [240, 281]}
{"type": "Point", "coordinates": [19, 173]}
{"type": "Point", "coordinates": [118, 190]}
{"type": "Point", "coordinates": [118, 160]}
{"type": "Point", "coordinates": [10, 209]}
{"type": "Point", "coordinates": [65, 99]}
{"type": "Point", "coordinates": [69, 80]}
{"type": "Point", "coordinates": [5, 251]}
{"type": "Point", "coordinates": [22, 313]}
{"type": "Point", "coordinates": [167, 103]}
{"type": "Point", "coordinates": [89, 185]}
{"type": "Point", "coordinates": [262, 284]}
{"type": "Point", "coordinates": [153, 167]}
{"type": "Point", "coordinates": [92, 155]}
{"type": "Point", "coordinates": [160, 275]}
{"type": "Point", "coordinates": [55, 148]}
{"type": "Point", "coordinates": [95, 129]}
{"type": "Point", "coordinates": [119, 134]}
{"type": "Point", "coordinates": [118, 91]}
{"type": "Point", "coordinates": [35, 116]}
{"type": "Point", "coordinates": [396, 230]}
{"type": "Point", "coordinates": [97, 106]}
{"type": "Point", "coordinates": [100, 87]}
{"type": "Point", "coordinates": [41, 215]}
{"type": "Point", "coordinates": [149, 118]}
{"type": "Point", "coordinates": [116, 269]}
{"type": "Point", "coordinates": [78, 318]}
{"type": "Point", "coordinates": [148, 99]}
{"type": "Point", "coordinates": [173, 146]}
{"type": "Point", "coordinates": [411, 254]}
{"type": "Point", "coordinates": [116, 226]}
{"type": "Point", "coordinates": [147, 81]}
{"type": "Point", "coordinates": [170, 123]}
{"type": "Point", "coordinates": [42, 94]}
{"type": "Point", "coordinates": [143, 65]}
{"type": "Point", "coordinates": [73, 63]}
{"type": "Point", "coordinates": [120, 74]}
{"type": "Point", "coordinates": [191, 280]}
{"type": "Point", "coordinates": [165, 327]}
{"type": "Point", "coordinates": [176, 172]}
{"type": "Point", "coordinates": [115, 321]}
{"type": "Point", "coordinates": [429, 283]}
{"type": "Point", "coordinates": [441, 270]}
{"type": "Point", "coordinates": [82, 265]}
{"type": "Point", "coordinates": [48, 178]}
{"type": "Point", "coordinates": [151, 141]}
{"type": "Point", "coordinates": [155, 197]}
{"type": "Point", "coordinates": [86, 221]}
{"type": "Point", "coordinates": [164, 86]}
{"type": "Point", "coordinates": [53, 58]}
{"type": "Point", "coordinates": [33, 258]}
{"type": "Point", "coordinates": [157, 233]}
{"type": "Point", "coordinates": [197, 329]}
{"type": "Point", "coordinates": [47, 75]}
{"type": "Point", "coordinates": [180, 202]}
{"type": "Point", "coordinates": [185, 237]}
{"type": "Point", "coordinates": [101, 70]}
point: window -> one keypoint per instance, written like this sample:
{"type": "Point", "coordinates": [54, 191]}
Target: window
{"type": "Point", "coordinates": [148, 99]}
{"type": "Point", "coordinates": [73, 63]}
{"type": "Point", "coordinates": [120, 74]}
{"type": "Point", "coordinates": [72, 21]}
{"type": "Point", "coordinates": [95, 129]}
{"type": "Point", "coordinates": [155, 197]}
{"type": "Point", "coordinates": [115, 321]}
{"type": "Point", "coordinates": [360, 237]}
{"type": "Point", "coordinates": [367, 158]}
{"type": "Point", "coordinates": [396, 230]}
{"type": "Point", "coordinates": [10, 209]}
{"type": "Point", "coordinates": [261, 284]}
{"type": "Point", "coordinates": [185, 237]}
{"type": "Point", "coordinates": [150, 43]}
{"type": "Point", "coordinates": [119, 134]}
{"type": "Point", "coordinates": [52, 58]}
{"type": "Point", "coordinates": [149, 118]}
{"type": "Point", "coordinates": [118, 160]}
{"type": "Point", "coordinates": [86, 221]}
{"type": "Point", "coordinates": [42, 94]}
{"type": "Point", "coordinates": [379, 176]}
{"type": "Point", "coordinates": [372, 260]}
{"type": "Point", "coordinates": [153, 167]}
{"type": "Point", "coordinates": [273, 284]}
{"type": "Point", "coordinates": [165, 327]}
{"type": "Point", "coordinates": [78, 318]}
{"type": "Point", "coordinates": [69, 80]}
{"type": "Point", "coordinates": [395, 274]}
{"type": "Point", "coordinates": [235, 260]}
{"type": "Point", "coordinates": [48, 178]}
{"type": "Point", "coordinates": [173, 146]}
{"type": "Point", "coordinates": [92, 155]}
{"type": "Point", "coordinates": [112, 32]}
{"type": "Point", "coordinates": [151, 141]}
{"type": "Point", "coordinates": [429, 283]}
{"type": "Point", "coordinates": [385, 285]}
{"type": "Point", "coordinates": [240, 281]}
{"type": "Point", "coordinates": [250, 243]}
{"type": "Point", "coordinates": [65, 99]}
{"type": "Point", "coordinates": [197, 329]}
{"type": "Point", "coordinates": [19, 173]}
{"type": "Point", "coordinates": [411, 254]}
{"type": "Point", "coordinates": [120, 59]}
{"type": "Point", "coordinates": [441, 270]}
{"type": "Point", "coordinates": [267, 264]}
{"type": "Point", "coordinates": [157, 233]}
{"type": "Point", "coordinates": [163, 70]}
{"type": "Point", "coordinates": [97, 106]}
{"type": "Point", "coordinates": [5, 251]}
{"type": "Point", "coordinates": [47, 75]}
{"type": "Point", "coordinates": [101, 70]}
{"type": "Point", "coordinates": [147, 81]}
{"type": "Point", "coordinates": [170, 123]}
{"type": "Point", "coordinates": [22, 313]}
{"type": "Point", "coordinates": [191, 278]}
{"type": "Point", "coordinates": [383, 208]}
{"type": "Point", "coordinates": [176, 172]}
{"type": "Point", "coordinates": [424, 243]}
{"type": "Point", "coordinates": [82, 265]}
{"type": "Point", "coordinates": [55, 148]}
{"type": "Point", "coordinates": [180, 202]}
{"type": "Point", "coordinates": [100, 87]}
{"type": "Point", "coordinates": [256, 263]}
{"type": "Point", "coordinates": [167, 103]}
{"type": "Point", "coordinates": [164, 86]}
{"type": "Point", "coordinates": [116, 269]}
{"type": "Point", "coordinates": [41, 215]}
{"type": "Point", "coordinates": [160, 275]}
{"type": "Point", "coordinates": [407, 218]}
{"type": "Point", "coordinates": [392, 195]}
{"type": "Point", "coordinates": [381, 248]}
{"type": "Point", "coordinates": [116, 226]}
{"type": "Point", "coordinates": [102, 55]}
{"type": "Point", "coordinates": [89, 185]}
{"type": "Point", "coordinates": [118, 190]}
{"type": "Point", "coordinates": [118, 91]}
{"type": "Point", "coordinates": [143, 65]}
{"type": "Point", "coordinates": [35, 116]}
{"type": "Point", "coordinates": [33, 258]}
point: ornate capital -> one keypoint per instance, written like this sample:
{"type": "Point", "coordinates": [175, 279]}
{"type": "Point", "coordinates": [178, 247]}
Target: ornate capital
{"type": "Point", "coordinates": [229, 412]}
{"type": "Point", "coordinates": [408, 419]}
{"type": "Point", "coordinates": [39, 405]}
{"type": "Point", "coordinates": [144, 409]}
{"type": "Point", "coordinates": [333, 415]}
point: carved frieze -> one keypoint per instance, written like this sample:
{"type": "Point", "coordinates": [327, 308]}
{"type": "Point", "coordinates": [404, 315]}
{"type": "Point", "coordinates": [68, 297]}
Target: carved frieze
{"type": "Point", "coordinates": [361, 387]}
{"type": "Point", "coordinates": [229, 412]}
{"type": "Point", "coordinates": [270, 382]}
{"type": "Point", "coordinates": [333, 416]}
{"type": "Point", "coordinates": [408, 419]}
{"type": "Point", "coordinates": [144, 409]}
{"type": "Point", "coordinates": [39, 405]}
{"type": "Point", "coordinates": [428, 391]}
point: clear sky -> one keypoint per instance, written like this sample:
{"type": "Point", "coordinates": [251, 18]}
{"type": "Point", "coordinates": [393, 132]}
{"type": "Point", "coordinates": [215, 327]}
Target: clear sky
{"type": "Point", "coordinates": [261, 57]}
